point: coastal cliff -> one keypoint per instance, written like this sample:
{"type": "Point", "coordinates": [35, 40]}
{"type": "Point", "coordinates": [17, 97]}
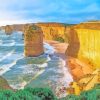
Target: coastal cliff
{"type": "Point", "coordinates": [53, 31]}
{"type": "Point", "coordinates": [83, 54]}
{"type": "Point", "coordinates": [85, 40]}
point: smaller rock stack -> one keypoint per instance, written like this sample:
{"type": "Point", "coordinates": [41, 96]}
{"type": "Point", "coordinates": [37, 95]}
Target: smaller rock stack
{"type": "Point", "coordinates": [33, 40]}
{"type": "Point", "coordinates": [8, 30]}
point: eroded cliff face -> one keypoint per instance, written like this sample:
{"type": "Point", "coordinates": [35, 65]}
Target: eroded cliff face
{"type": "Point", "coordinates": [52, 31]}
{"type": "Point", "coordinates": [89, 48]}
{"type": "Point", "coordinates": [33, 40]}
{"type": "Point", "coordinates": [84, 55]}
{"type": "Point", "coordinates": [84, 44]}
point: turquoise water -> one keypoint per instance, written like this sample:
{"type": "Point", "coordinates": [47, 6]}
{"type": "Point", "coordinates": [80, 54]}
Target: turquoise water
{"type": "Point", "coordinates": [21, 71]}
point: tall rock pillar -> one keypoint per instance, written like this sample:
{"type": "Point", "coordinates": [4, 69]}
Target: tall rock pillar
{"type": "Point", "coordinates": [33, 41]}
{"type": "Point", "coordinates": [8, 30]}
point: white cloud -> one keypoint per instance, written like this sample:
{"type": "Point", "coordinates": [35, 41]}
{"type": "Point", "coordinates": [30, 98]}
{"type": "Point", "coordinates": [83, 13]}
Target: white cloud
{"type": "Point", "coordinates": [20, 11]}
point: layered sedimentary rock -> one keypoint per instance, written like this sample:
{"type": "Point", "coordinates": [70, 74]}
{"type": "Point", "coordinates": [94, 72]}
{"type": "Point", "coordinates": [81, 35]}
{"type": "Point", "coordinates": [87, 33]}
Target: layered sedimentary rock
{"type": "Point", "coordinates": [8, 30]}
{"type": "Point", "coordinates": [78, 68]}
{"type": "Point", "coordinates": [84, 43]}
{"type": "Point", "coordinates": [33, 40]}
{"type": "Point", "coordinates": [53, 31]}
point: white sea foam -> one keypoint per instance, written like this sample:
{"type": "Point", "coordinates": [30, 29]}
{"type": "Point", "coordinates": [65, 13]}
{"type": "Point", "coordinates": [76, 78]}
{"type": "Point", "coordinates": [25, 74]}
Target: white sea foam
{"type": "Point", "coordinates": [19, 44]}
{"type": "Point", "coordinates": [41, 65]}
{"type": "Point", "coordinates": [48, 58]}
{"type": "Point", "coordinates": [21, 85]}
{"type": "Point", "coordinates": [49, 49]}
{"type": "Point", "coordinates": [7, 67]}
{"type": "Point", "coordinates": [7, 55]}
{"type": "Point", "coordinates": [8, 44]}
{"type": "Point", "coordinates": [67, 76]}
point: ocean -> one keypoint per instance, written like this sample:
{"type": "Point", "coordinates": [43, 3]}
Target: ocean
{"type": "Point", "coordinates": [47, 70]}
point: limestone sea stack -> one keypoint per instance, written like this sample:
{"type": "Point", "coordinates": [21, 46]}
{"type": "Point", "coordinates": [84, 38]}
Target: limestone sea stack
{"type": "Point", "coordinates": [8, 30]}
{"type": "Point", "coordinates": [33, 41]}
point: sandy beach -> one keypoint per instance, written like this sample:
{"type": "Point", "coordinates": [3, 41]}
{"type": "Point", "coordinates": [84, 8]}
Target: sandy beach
{"type": "Point", "coordinates": [60, 48]}
{"type": "Point", "coordinates": [76, 67]}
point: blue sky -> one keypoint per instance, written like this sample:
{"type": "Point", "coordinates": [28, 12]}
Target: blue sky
{"type": "Point", "coordinates": [67, 11]}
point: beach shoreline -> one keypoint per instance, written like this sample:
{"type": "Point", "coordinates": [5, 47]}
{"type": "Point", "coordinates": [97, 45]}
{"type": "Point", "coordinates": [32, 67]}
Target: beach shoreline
{"type": "Point", "coordinates": [76, 67]}
{"type": "Point", "coordinates": [60, 49]}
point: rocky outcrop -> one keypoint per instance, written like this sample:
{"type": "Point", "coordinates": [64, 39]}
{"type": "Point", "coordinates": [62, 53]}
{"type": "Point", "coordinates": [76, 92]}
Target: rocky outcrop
{"type": "Point", "coordinates": [8, 30]}
{"type": "Point", "coordinates": [78, 68]}
{"type": "Point", "coordinates": [33, 40]}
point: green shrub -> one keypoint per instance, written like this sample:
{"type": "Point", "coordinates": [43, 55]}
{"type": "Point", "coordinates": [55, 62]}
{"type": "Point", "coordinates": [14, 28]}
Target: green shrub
{"type": "Point", "coordinates": [5, 94]}
{"type": "Point", "coordinates": [24, 95]}
{"type": "Point", "coordinates": [43, 93]}
{"type": "Point", "coordinates": [96, 86]}
{"type": "Point", "coordinates": [47, 94]}
{"type": "Point", "coordinates": [71, 97]}
{"type": "Point", "coordinates": [14, 97]}
{"type": "Point", "coordinates": [2, 96]}
{"type": "Point", "coordinates": [60, 39]}
{"type": "Point", "coordinates": [28, 94]}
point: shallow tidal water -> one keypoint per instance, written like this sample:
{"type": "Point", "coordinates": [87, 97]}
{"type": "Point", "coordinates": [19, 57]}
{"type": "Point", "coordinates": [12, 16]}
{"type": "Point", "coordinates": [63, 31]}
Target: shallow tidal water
{"type": "Point", "coordinates": [20, 71]}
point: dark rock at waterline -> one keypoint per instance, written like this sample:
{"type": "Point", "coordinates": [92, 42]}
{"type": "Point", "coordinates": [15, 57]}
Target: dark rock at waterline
{"type": "Point", "coordinates": [4, 84]}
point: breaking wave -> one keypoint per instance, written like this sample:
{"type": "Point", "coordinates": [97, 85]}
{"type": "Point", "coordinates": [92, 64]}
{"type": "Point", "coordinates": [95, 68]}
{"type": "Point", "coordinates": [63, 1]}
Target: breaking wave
{"type": "Point", "coordinates": [7, 67]}
{"type": "Point", "coordinates": [7, 55]}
